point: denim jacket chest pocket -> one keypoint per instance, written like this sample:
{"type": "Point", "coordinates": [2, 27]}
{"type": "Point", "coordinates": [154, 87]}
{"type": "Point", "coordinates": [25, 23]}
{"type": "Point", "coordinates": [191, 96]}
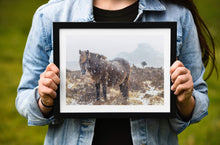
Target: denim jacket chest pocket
{"type": "Point", "coordinates": [49, 47]}
{"type": "Point", "coordinates": [50, 54]}
{"type": "Point", "coordinates": [179, 41]}
{"type": "Point", "coordinates": [48, 37]}
{"type": "Point", "coordinates": [49, 51]}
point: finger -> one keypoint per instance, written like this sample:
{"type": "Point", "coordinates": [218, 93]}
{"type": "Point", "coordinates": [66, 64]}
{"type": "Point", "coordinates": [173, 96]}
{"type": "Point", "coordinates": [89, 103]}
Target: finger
{"type": "Point", "coordinates": [49, 83]}
{"type": "Point", "coordinates": [52, 75]}
{"type": "Point", "coordinates": [53, 67]}
{"type": "Point", "coordinates": [42, 75]}
{"type": "Point", "coordinates": [179, 71]}
{"type": "Point", "coordinates": [45, 91]}
{"type": "Point", "coordinates": [181, 79]}
{"type": "Point", "coordinates": [188, 86]}
{"type": "Point", "coordinates": [175, 65]}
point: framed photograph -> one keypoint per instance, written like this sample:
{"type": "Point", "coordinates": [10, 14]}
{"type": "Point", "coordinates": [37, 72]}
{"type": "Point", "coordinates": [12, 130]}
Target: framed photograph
{"type": "Point", "coordinates": [114, 69]}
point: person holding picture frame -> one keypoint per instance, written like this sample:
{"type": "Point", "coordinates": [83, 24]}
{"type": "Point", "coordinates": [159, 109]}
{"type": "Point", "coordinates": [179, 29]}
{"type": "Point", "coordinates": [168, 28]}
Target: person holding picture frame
{"type": "Point", "coordinates": [40, 79]}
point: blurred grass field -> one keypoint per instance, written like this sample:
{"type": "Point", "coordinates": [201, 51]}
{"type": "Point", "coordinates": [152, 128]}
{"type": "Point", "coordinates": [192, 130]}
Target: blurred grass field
{"type": "Point", "coordinates": [15, 23]}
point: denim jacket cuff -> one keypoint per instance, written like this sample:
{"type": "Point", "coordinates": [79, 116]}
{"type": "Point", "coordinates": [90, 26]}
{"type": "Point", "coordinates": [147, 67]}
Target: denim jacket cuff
{"type": "Point", "coordinates": [199, 112]}
{"type": "Point", "coordinates": [35, 116]}
{"type": "Point", "coordinates": [201, 106]}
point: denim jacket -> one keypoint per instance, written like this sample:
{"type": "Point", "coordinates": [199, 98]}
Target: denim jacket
{"type": "Point", "coordinates": [39, 53]}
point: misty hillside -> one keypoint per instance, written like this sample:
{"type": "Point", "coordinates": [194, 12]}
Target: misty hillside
{"type": "Point", "coordinates": [144, 52]}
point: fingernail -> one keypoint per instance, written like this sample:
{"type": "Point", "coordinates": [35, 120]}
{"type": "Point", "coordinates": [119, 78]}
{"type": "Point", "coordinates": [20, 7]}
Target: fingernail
{"type": "Point", "coordinates": [175, 93]}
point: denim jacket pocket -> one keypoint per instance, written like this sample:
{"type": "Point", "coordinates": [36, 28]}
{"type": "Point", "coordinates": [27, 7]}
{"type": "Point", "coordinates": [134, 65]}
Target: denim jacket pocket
{"type": "Point", "coordinates": [50, 54]}
{"type": "Point", "coordinates": [178, 42]}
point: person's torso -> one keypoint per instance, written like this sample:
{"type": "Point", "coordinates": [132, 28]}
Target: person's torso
{"type": "Point", "coordinates": [80, 132]}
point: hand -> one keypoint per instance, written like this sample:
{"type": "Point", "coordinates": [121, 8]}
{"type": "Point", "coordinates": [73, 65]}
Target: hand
{"type": "Point", "coordinates": [47, 86]}
{"type": "Point", "coordinates": [183, 88]}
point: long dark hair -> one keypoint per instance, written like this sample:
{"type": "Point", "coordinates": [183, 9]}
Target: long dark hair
{"type": "Point", "coordinates": [205, 38]}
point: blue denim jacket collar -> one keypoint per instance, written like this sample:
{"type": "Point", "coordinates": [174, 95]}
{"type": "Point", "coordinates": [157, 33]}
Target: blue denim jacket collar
{"type": "Point", "coordinates": [151, 5]}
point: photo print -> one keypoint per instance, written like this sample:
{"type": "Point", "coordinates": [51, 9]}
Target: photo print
{"type": "Point", "coordinates": [110, 70]}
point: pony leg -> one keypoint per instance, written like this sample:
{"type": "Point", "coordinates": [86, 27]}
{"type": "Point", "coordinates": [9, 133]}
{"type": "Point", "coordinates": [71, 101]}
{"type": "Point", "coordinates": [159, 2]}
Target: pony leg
{"type": "Point", "coordinates": [104, 91]}
{"type": "Point", "coordinates": [97, 85]}
{"type": "Point", "coordinates": [104, 85]}
{"type": "Point", "coordinates": [124, 88]}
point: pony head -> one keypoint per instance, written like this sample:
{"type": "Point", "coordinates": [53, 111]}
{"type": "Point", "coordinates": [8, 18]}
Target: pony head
{"type": "Point", "coordinates": [83, 60]}
{"type": "Point", "coordinates": [88, 60]}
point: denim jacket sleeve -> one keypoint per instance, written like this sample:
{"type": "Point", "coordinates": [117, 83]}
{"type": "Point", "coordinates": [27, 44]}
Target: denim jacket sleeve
{"type": "Point", "coordinates": [190, 55]}
{"type": "Point", "coordinates": [35, 60]}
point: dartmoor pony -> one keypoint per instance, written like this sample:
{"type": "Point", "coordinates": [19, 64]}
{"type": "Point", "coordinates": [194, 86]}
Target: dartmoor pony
{"type": "Point", "coordinates": [105, 73]}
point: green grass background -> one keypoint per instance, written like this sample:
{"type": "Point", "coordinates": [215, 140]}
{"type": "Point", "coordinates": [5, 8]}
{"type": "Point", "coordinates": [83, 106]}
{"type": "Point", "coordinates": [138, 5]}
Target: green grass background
{"type": "Point", "coordinates": [15, 23]}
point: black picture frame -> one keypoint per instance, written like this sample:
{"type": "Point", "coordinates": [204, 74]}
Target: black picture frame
{"type": "Point", "coordinates": [76, 34]}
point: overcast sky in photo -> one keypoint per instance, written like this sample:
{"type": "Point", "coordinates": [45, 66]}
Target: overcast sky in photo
{"type": "Point", "coordinates": [110, 42]}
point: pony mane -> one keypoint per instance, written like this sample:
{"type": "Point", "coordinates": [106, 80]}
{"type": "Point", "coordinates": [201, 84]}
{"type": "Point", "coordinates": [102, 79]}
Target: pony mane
{"type": "Point", "coordinates": [97, 55]}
